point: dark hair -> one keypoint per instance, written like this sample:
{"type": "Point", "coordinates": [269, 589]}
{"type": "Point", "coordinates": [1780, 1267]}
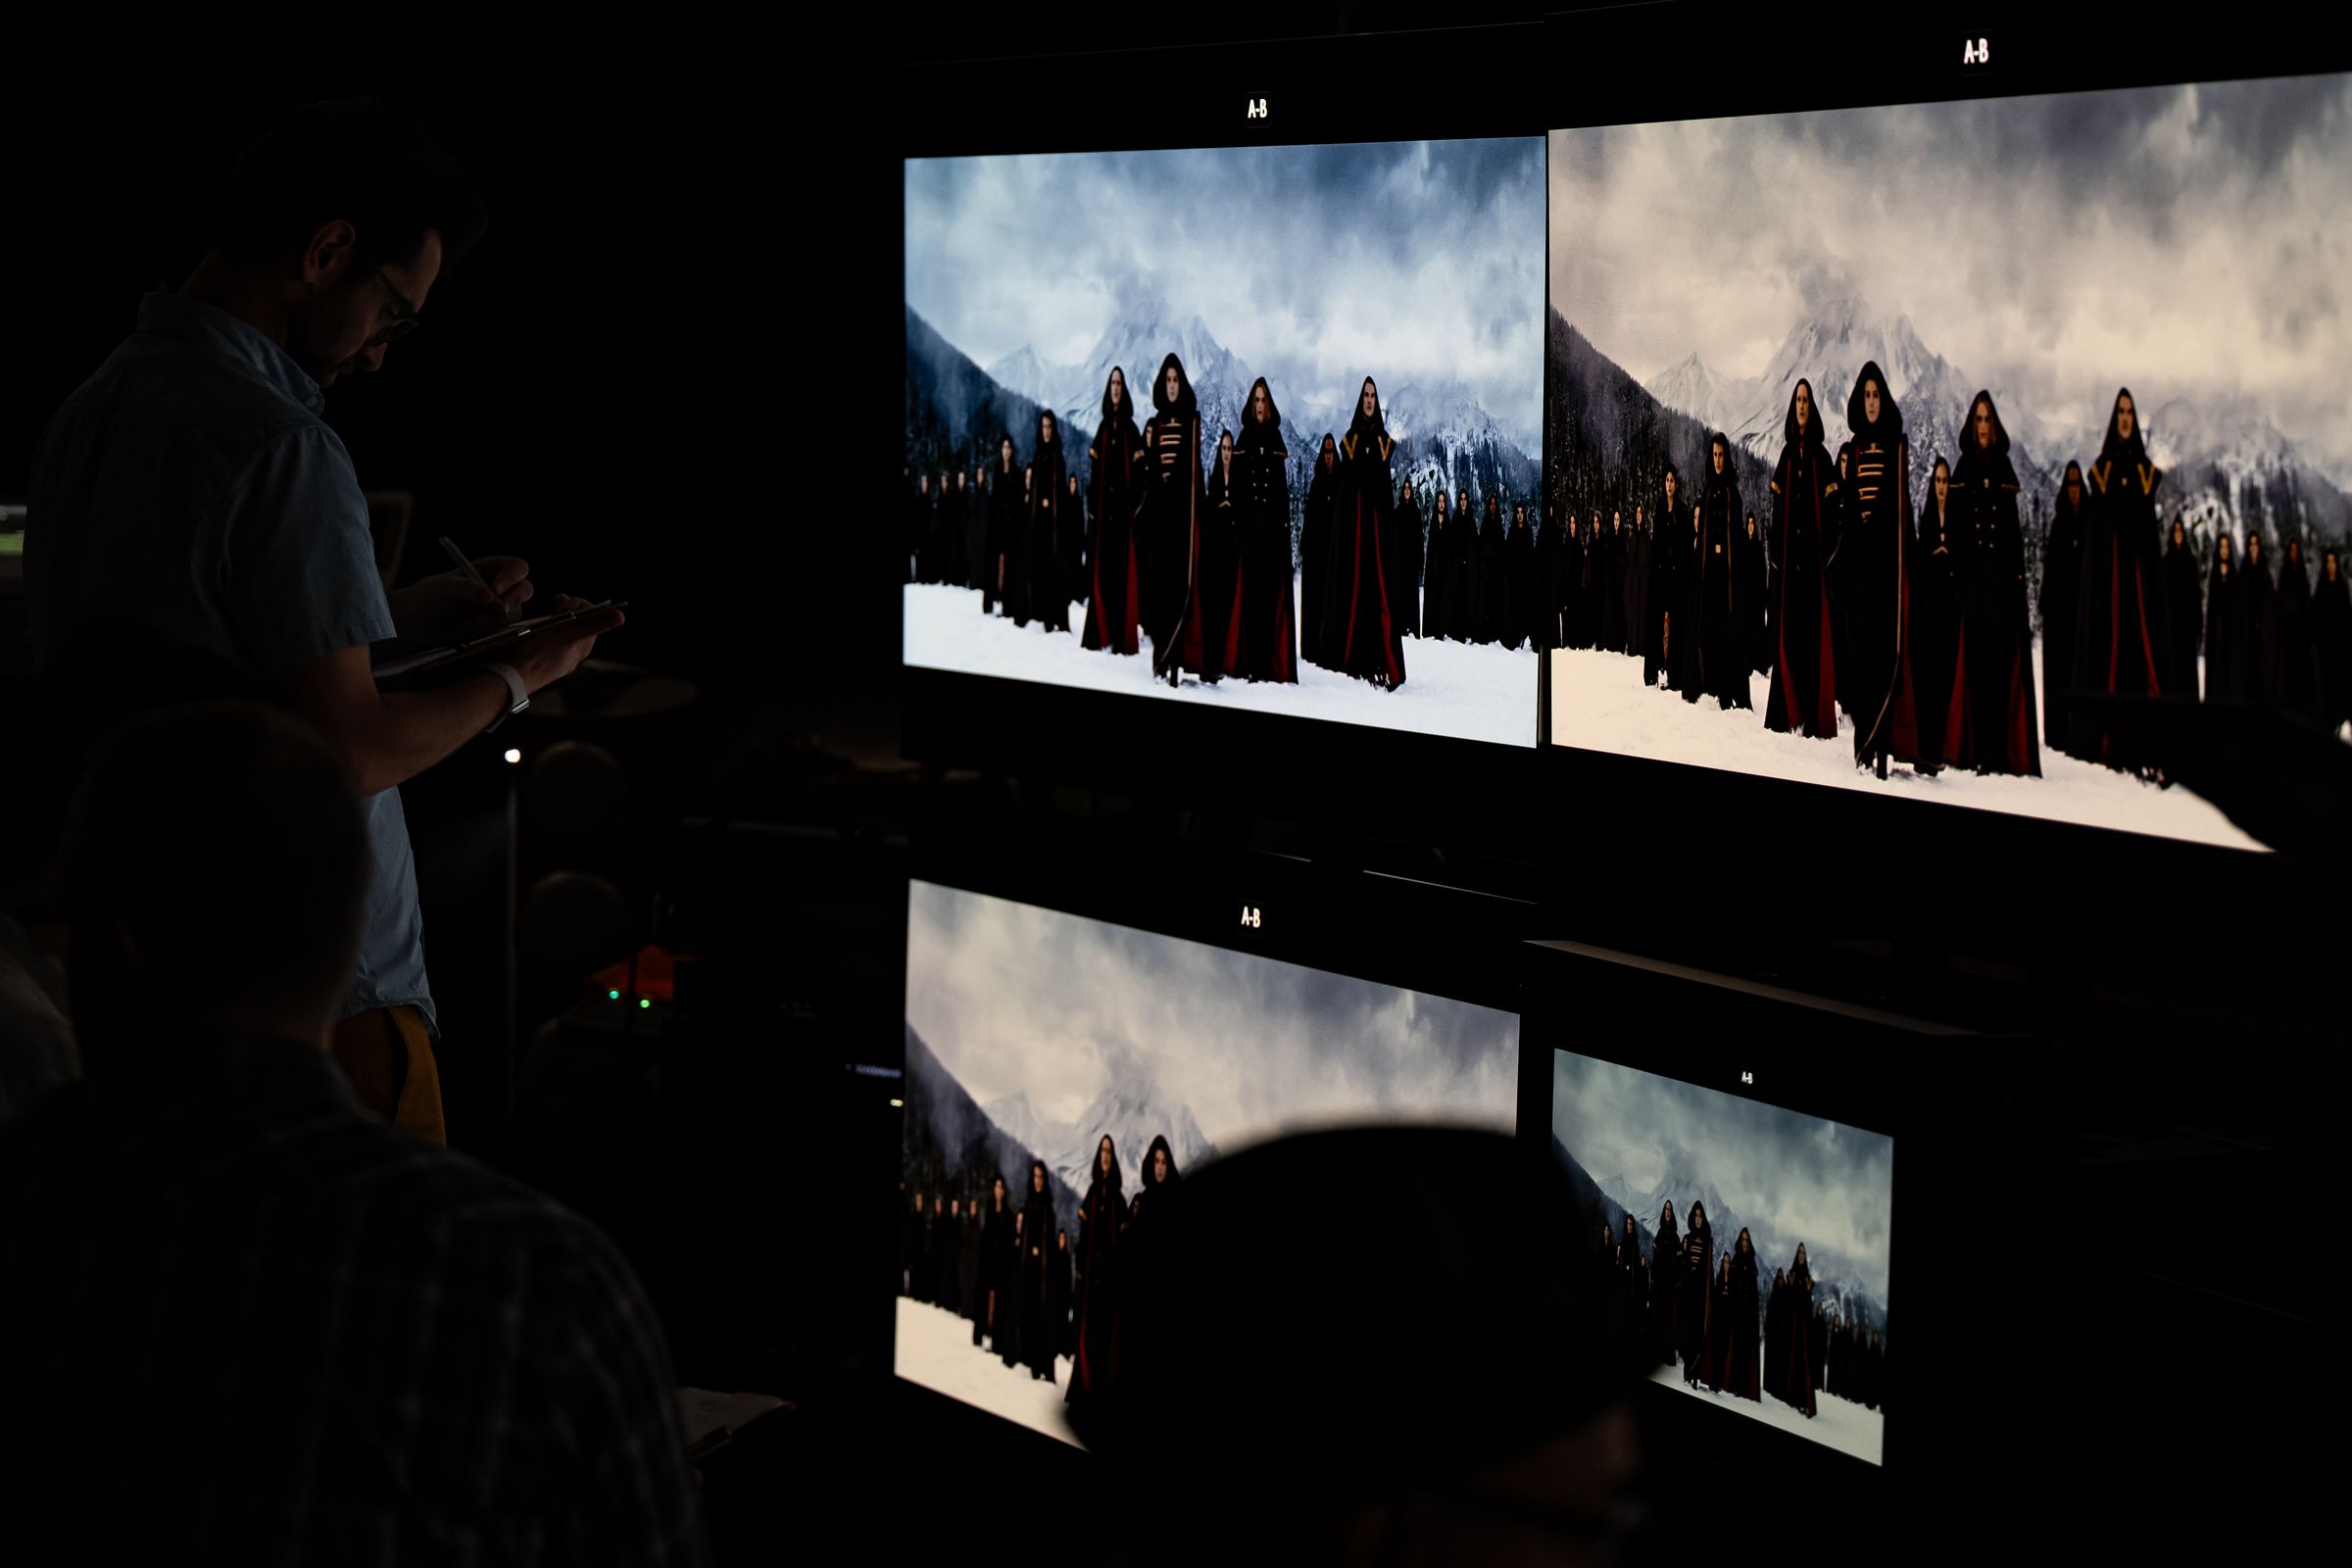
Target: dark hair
{"type": "Point", "coordinates": [355, 159]}
{"type": "Point", "coordinates": [241, 883]}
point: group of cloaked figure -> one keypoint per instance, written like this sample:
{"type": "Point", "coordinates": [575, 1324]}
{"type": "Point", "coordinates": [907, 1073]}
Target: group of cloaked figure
{"type": "Point", "coordinates": [1012, 1269]}
{"type": "Point", "coordinates": [1685, 1304]}
{"type": "Point", "coordinates": [1200, 566]}
{"type": "Point", "coordinates": [1911, 614]}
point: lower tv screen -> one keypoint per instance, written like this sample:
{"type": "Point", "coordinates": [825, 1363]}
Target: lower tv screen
{"type": "Point", "coordinates": [1060, 1068]}
{"type": "Point", "coordinates": [1747, 1245]}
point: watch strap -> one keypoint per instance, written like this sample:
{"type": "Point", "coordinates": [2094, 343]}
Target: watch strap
{"type": "Point", "coordinates": [518, 696]}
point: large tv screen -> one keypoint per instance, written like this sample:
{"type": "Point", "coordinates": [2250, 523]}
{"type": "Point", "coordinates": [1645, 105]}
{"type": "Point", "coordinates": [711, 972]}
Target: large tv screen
{"type": "Point", "coordinates": [1060, 1069]}
{"type": "Point", "coordinates": [1896, 441]}
{"type": "Point", "coordinates": [1746, 1245]}
{"type": "Point", "coordinates": [1248, 429]}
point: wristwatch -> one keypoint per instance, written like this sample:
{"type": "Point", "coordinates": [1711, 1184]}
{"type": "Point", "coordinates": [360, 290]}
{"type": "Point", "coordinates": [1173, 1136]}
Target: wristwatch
{"type": "Point", "coordinates": [518, 694]}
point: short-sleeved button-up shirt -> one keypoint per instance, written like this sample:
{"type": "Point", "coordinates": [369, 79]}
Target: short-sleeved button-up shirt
{"type": "Point", "coordinates": [191, 480]}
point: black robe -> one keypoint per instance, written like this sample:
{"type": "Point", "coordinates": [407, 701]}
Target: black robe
{"type": "Point", "coordinates": [1666, 1274]}
{"type": "Point", "coordinates": [915, 527]}
{"type": "Point", "coordinates": [1433, 578]}
{"type": "Point", "coordinates": [1360, 634]}
{"type": "Point", "coordinates": [1569, 590]}
{"type": "Point", "coordinates": [1935, 624]}
{"type": "Point", "coordinates": [1667, 551]}
{"type": "Point", "coordinates": [992, 1291]}
{"type": "Point", "coordinates": [1721, 670]}
{"type": "Point", "coordinates": [1638, 569]}
{"type": "Point", "coordinates": [2224, 627]}
{"type": "Point", "coordinates": [2184, 612]}
{"type": "Point", "coordinates": [1990, 724]}
{"type": "Point", "coordinates": [1114, 571]}
{"type": "Point", "coordinates": [1219, 593]}
{"type": "Point", "coordinates": [1803, 698]}
{"type": "Point", "coordinates": [2121, 644]}
{"type": "Point", "coordinates": [1102, 1220]}
{"type": "Point", "coordinates": [1314, 559]}
{"type": "Point", "coordinates": [1002, 579]}
{"type": "Point", "coordinates": [975, 538]}
{"type": "Point", "coordinates": [1047, 540]}
{"type": "Point", "coordinates": [949, 1232]}
{"type": "Point", "coordinates": [2298, 665]}
{"type": "Point", "coordinates": [1634, 1276]}
{"type": "Point", "coordinates": [1612, 592]}
{"type": "Point", "coordinates": [1469, 583]}
{"type": "Point", "coordinates": [1747, 602]}
{"type": "Point", "coordinates": [1168, 523]}
{"type": "Point", "coordinates": [1789, 1362]}
{"type": "Point", "coordinates": [1874, 672]}
{"type": "Point", "coordinates": [2061, 596]}
{"type": "Point", "coordinates": [910, 1254]}
{"type": "Point", "coordinates": [954, 514]}
{"type": "Point", "coordinates": [1261, 479]}
{"type": "Point", "coordinates": [1719, 1327]}
{"type": "Point", "coordinates": [1033, 1274]}
{"type": "Point", "coordinates": [1523, 590]}
{"type": "Point", "coordinates": [2257, 633]}
{"type": "Point", "coordinates": [1597, 588]}
{"type": "Point", "coordinates": [1695, 1296]}
{"type": "Point", "coordinates": [2331, 645]}
{"type": "Point", "coordinates": [1775, 1301]}
{"type": "Point", "coordinates": [1405, 569]}
{"type": "Point", "coordinates": [1494, 578]}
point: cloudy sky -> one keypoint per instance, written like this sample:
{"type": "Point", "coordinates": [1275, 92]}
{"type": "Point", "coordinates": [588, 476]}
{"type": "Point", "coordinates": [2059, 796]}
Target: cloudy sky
{"type": "Point", "coordinates": [1014, 998]}
{"type": "Point", "coordinates": [1830, 1186]}
{"type": "Point", "coordinates": [2181, 240]}
{"type": "Point", "coordinates": [1317, 265]}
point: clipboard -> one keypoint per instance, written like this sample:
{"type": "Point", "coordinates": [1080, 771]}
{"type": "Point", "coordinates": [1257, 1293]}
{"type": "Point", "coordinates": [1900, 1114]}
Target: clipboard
{"type": "Point", "coordinates": [410, 669]}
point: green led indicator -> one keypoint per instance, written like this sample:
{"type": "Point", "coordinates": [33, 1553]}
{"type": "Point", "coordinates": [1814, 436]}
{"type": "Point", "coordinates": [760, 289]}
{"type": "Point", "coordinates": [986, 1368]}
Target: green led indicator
{"type": "Point", "coordinates": [644, 1001]}
{"type": "Point", "coordinates": [614, 994]}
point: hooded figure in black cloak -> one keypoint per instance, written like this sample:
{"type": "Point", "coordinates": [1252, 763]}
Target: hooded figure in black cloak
{"type": "Point", "coordinates": [1114, 574]}
{"type": "Point", "coordinates": [1872, 590]}
{"type": "Point", "coordinates": [1612, 592]}
{"type": "Point", "coordinates": [1665, 1296]}
{"type": "Point", "coordinates": [993, 1289]}
{"type": "Point", "coordinates": [1493, 572]}
{"type": "Point", "coordinates": [1033, 1276]}
{"type": "Point", "coordinates": [1665, 587]}
{"type": "Point", "coordinates": [1990, 725]}
{"type": "Point", "coordinates": [1220, 583]}
{"type": "Point", "coordinates": [1161, 1175]}
{"type": "Point", "coordinates": [1048, 522]}
{"type": "Point", "coordinates": [1597, 582]}
{"type": "Point", "coordinates": [1739, 1374]}
{"type": "Point", "coordinates": [1803, 698]}
{"type": "Point", "coordinates": [1468, 586]}
{"type": "Point", "coordinates": [975, 535]}
{"type": "Point", "coordinates": [1633, 1273]}
{"type": "Point", "coordinates": [1004, 578]}
{"type": "Point", "coordinates": [2223, 623]}
{"type": "Point", "coordinates": [1790, 1359]}
{"type": "Point", "coordinates": [954, 511]}
{"type": "Point", "coordinates": [2258, 627]}
{"type": "Point", "coordinates": [1523, 586]}
{"type": "Point", "coordinates": [2121, 643]}
{"type": "Point", "coordinates": [1567, 597]}
{"type": "Point", "coordinates": [1775, 1302]}
{"type": "Point", "coordinates": [2332, 639]}
{"type": "Point", "coordinates": [1747, 597]}
{"type": "Point", "coordinates": [1262, 478]}
{"type": "Point", "coordinates": [1360, 634]}
{"type": "Point", "coordinates": [2185, 610]}
{"type": "Point", "coordinates": [1173, 521]}
{"type": "Point", "coordinates": [1101, 1218]}
{"type": "Point", "coordinates": [1434, 581]}
{"type": "Point", "coordinates": [1638, 568]}
{"type": "Point", "coordinates": [910, 1245]}
{"type": "Point", "coordinates": [1404, 565]}
{"type": "Point", "coordinates": [1315, 548]}
{"type": "Point", "coordinates": [1695, 1295]}
{"type": "Point", "coordinates": [2298, 666]}
{"type": "Point", "coordinates": [951, 1257]}
{"type": "Point", "coordinates": [1934, 614]}
{"type": "Point", "coordinates": [1058, 1302]}
{"type": "Point", "coordinates": [1819, 1340]}
{"type": "Point", "coordinates": [1074, 572]}
{"type": "Point", "coordinates": [915, 524]}
{"type": "Point", "coordinates": [1722, 666]}
{"type": "Point", "coordinates": [2061, 595]}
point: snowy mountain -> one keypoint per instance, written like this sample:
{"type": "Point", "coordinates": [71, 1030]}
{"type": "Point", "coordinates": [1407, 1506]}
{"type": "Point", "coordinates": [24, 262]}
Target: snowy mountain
{"type": "Point", "coordinates": [955, 411]}
{"type": "Point", "coordinates": [1445, 437]}
{"type": "Point", "coordinates": [1714, 400]}
{"type": "Point", "coordinates": [1132, 1118]}
{"type": "Point", "coordinates": [1022, 1122]}
{"type": "Point", "coordinates": [950, 1145]}
{"type": "Point", "coordinates": [1607, 441]}
{"type": "Point", "coordinates": [1032, 377]}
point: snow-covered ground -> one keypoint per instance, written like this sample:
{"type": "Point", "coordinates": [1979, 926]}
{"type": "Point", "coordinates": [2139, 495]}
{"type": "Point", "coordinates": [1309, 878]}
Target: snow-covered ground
{"type": "Point", "coordinates": [935, 1350]}
{"type": "Point", "coordinates": [1452, 689]}
{"type": "Point", "coordinates": [1839, 1424]}
{"type": "Point", "coordinates": [1598, 702]}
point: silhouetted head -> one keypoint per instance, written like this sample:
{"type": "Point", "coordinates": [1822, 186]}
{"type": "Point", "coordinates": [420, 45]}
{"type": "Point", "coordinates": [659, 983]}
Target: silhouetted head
{"type": "Point", "coordinates": [2071, 489]}
{"type": "Point", "coordinates": [1171, 393]}
{"type": "Point", "coordinates": [1107, 1163]}
{"type": "Point", "coordinates": [2124, 441]}
{"type": "Point", "coordinates": [1116, 402]}
{"type": "Point", "coordinates": [1985, 432]}
{"type": "Point", "coordinates": [1037, 1176]}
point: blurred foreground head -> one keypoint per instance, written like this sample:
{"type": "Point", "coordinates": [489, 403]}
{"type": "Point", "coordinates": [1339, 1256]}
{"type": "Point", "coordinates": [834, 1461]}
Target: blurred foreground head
{"type": "Point", "coordinates": [1369, 1345]}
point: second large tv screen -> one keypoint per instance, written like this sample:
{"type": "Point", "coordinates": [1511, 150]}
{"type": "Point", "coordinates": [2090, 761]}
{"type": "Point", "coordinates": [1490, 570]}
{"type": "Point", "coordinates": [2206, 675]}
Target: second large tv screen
{"type": "Point", "coordinates": [1193, 426]}
{"type": "Point", "coordinates": [1968, 409]}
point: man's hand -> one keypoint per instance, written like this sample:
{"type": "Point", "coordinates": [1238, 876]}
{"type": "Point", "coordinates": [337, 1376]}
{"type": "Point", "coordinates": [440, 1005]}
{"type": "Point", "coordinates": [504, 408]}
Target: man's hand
{"type": "Point", "coordinates": [547, 656]}
{"type": "Point", "coordinates": [450, 606]}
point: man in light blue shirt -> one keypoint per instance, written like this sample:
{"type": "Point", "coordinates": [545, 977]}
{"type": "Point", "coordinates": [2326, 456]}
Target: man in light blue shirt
{"type": "Point", "coordinates": [193, 481]}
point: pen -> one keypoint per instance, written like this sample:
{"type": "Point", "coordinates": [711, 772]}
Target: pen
{"type": "Point", "coordinates": [449, 548]}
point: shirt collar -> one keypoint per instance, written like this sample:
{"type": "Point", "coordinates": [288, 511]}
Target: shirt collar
{"type": "Point", "coordinates": [173, 316]}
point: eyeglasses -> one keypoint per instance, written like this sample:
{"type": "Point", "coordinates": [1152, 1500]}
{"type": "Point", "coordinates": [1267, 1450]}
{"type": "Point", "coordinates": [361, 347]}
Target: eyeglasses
{"type": "Point", "coordinates": [400, 325]}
